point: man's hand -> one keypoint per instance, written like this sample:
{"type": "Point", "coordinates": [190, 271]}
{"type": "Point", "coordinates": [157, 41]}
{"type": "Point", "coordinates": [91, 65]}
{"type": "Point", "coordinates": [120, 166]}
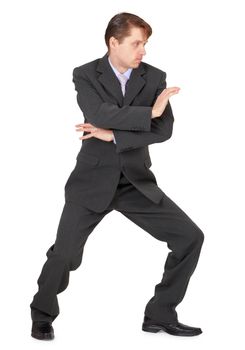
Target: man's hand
{"type": "Point", "coordinates": [162, 100]}
{"type": "Point", "coordinates": [99, 133]}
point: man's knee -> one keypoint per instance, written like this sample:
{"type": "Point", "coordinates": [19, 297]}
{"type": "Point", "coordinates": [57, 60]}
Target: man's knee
{"type": "Point", "coordinates": [200, 236]}
{"type": "Point", "coordinates": [72, 259]}
{"type": "Point", "coordinates": [74, 263]}
{"type": "Point", "coordinates": [197, 235]}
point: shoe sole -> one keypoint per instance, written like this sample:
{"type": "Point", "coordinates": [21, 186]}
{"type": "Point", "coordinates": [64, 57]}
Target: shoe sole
{"type": "Point", "coordinates": [44, 336]}
{"type": "Point", "coordinates": [155, 329]}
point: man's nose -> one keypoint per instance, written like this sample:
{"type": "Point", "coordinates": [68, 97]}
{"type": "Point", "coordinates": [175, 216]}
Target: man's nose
{"type": "Point", "coordinates": [142, 51]}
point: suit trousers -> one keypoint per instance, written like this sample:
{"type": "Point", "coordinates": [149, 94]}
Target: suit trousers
{"type": "Point", "coordinates": [165, 221]}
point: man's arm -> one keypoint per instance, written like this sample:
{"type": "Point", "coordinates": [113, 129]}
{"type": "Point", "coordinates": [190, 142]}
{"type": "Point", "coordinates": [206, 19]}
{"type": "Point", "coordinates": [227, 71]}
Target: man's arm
{"type": "Point", "coordinates": [161, 128]}
{"type": "Point", "coordinates": [108, 115]}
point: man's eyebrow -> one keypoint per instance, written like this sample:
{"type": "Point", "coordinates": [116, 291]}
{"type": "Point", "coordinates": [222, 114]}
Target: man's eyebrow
{"type": "Point", "coordinates": [140, 41]}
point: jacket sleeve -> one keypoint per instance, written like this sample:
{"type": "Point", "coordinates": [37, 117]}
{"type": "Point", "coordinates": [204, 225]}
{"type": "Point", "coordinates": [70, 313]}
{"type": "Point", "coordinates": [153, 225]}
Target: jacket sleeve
{"type": "Point", "coordinates": [161, 128]}
{"type": "Point", "coordinates": [107, 115]}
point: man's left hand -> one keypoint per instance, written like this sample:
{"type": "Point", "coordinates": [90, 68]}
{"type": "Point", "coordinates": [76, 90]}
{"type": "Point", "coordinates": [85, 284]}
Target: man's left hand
{"type": "Point", "coordinates": [99, 133]}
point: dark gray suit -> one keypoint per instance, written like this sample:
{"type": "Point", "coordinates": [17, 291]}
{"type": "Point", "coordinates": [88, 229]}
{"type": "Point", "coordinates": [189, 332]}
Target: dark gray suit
{"type": "Point", "coordinates": [95, 178]}
{"type": "Point", "coordinates": [110, 176]}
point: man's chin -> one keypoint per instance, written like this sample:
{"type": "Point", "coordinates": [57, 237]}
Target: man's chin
{"type": "Point", "coordinates": [137, 63]}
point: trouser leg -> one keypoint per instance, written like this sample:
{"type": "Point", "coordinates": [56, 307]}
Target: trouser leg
{"type": "Point", "coordinates": [166, 222]}
{"type": "Point", "coordinates": [65, 255]}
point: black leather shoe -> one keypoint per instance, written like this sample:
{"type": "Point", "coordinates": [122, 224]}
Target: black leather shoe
{"type": "Point", "coordinates": [172, 328]}
{"type": "Point", "coordinates": [42, 330]}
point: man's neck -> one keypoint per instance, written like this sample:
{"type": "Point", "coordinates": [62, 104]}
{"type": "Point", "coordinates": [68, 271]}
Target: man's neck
{"type": "Point", "coordinates": [117, 65]}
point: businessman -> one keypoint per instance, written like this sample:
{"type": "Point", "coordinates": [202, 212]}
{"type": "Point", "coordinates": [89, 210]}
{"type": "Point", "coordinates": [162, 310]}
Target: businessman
{"type": "Point", "coordinates": [125, 104]}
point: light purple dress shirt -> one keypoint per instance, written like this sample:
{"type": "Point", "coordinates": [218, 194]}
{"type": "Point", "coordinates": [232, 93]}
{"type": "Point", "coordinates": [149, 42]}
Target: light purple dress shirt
{"type": "Point", "coordinates": [127, 74]}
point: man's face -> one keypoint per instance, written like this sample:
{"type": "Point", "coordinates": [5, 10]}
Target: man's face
{"type": "Point", "coordinates": [131, 50]}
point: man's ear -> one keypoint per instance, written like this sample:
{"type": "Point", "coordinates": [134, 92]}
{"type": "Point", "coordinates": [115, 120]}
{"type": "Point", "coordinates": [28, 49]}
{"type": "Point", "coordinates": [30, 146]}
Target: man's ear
{"type": "Point", "coordinates": [113, 42]}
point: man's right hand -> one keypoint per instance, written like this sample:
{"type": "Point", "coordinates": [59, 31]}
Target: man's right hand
{"type": "Point", "coordinates": [162, 101]}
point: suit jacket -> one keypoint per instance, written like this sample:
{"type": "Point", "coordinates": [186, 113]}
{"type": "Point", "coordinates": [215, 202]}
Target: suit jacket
{"type": "Point", "coordinates": [94, 180]}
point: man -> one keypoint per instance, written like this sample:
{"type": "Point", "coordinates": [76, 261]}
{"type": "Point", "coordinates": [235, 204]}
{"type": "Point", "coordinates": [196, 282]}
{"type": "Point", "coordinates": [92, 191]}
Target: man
{"type": "Point", "coordinates": [126, 107]}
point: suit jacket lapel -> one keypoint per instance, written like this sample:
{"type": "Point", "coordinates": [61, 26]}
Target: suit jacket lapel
{"type": "Point", "coordinates": [135, 83]}
{"type": "Point", "coordinates": [109, 80]}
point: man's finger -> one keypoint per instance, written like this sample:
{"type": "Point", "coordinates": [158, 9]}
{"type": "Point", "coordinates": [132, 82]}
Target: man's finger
{"type": "Point", "coordinates": [173, 88]}
{"type": "Point", "coordinates": [85, 124]}
{"type": "Point", "coordinates": [89, 128]}
{"type": "Point", "coordinates": [170, 89]}
{"type": "Point", "coordinates": [171, 92]}
{"type": "Point", "coordinates": [86, 137]}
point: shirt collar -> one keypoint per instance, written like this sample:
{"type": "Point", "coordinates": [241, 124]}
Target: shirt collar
{"type": "Point", "coordinates": [127, 73]}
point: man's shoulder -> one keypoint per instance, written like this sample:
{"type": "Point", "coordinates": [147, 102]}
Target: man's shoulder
{"type": "Point", "coordinates": [89, 66]}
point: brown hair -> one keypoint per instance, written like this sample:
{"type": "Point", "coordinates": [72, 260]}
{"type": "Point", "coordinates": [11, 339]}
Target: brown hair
{"type": "Point", "coordinates": [120, 25]}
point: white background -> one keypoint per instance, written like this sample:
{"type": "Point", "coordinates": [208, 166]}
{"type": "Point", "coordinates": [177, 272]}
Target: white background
{"type": "Point", "coordinates": [199, 44]}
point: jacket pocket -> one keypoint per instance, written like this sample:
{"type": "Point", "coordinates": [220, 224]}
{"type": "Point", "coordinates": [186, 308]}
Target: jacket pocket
{"type": "Point", "coordinates": [87, 158]}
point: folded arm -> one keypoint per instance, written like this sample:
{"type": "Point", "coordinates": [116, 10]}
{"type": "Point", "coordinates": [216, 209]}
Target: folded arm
{"type": "Point", "coordinates": [161, 129]}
